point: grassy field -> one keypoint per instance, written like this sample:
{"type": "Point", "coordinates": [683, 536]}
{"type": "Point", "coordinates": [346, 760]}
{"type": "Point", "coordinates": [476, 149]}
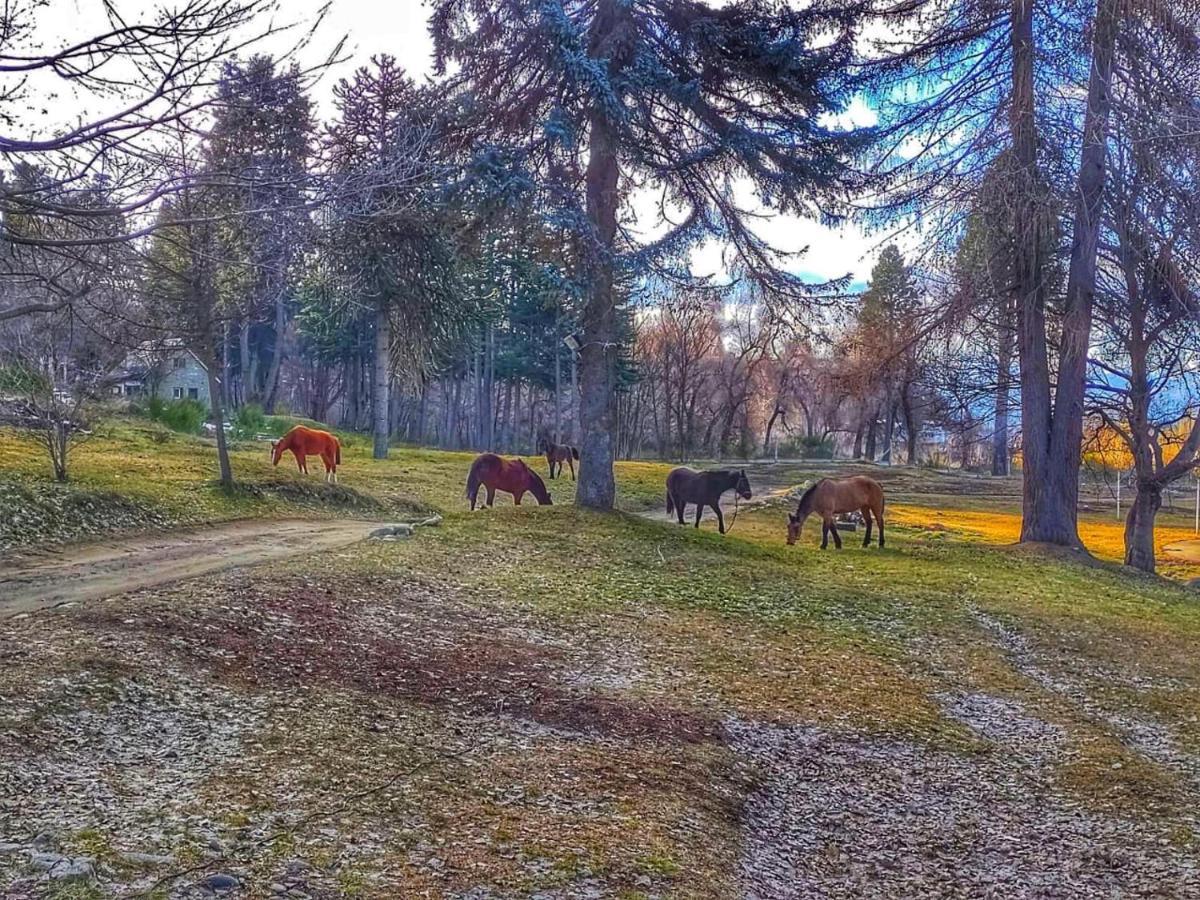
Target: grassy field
{"type": "Point", "coordinates": [135, 474]}
{"type": "Point", "coordinates": [551, 702]}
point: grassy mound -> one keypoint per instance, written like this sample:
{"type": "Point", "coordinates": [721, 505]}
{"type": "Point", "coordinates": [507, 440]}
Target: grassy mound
{"type": "Point", "coordinates": [44, 512]}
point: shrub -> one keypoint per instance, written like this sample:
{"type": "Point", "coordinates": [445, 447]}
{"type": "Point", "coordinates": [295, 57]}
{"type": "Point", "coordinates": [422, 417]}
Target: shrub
{"type": "Point", "coordinates": [249, 422]}
{"type": "Point", "coordinates": [186, 416]}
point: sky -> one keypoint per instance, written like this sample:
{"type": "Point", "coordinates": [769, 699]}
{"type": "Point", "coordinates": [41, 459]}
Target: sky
{"type": "Point", "coordinates": [399, 28]}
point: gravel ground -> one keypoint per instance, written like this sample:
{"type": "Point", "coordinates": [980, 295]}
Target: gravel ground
{"type": "Point", "coordinates": [846, 816]}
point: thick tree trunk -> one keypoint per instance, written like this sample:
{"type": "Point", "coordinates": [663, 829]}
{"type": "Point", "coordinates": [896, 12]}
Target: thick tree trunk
{"type": "Point", "coordinates": [596, 488]}
{"type": "Point", "coordinates": [1053, 436]}
{"type": "Point", "coordinates": [1139, 526]}
{"type": "Point", "coordinates": [1044, 518]}
{"type": "Point", "coordinates": [381, 379]}
{"type": "Point", "coordinates": [872, 431]}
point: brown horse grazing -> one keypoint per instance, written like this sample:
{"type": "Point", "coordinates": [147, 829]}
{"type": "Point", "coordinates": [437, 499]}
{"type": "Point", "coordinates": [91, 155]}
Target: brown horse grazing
{"type": "Point", "coordinates": [305, 442]}
{"type": "Point", "coordinates": [830, 497]}
{"type": "Point", "coordinates": [557, 454]}
{"type": "Point", "coordinates": [686, 486]}
{"type": "Point", "coordinates": [509, 475]}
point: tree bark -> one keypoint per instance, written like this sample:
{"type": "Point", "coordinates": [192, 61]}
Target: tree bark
{"type": "Point", "coordinates": [381, 378]}
{"type": "Point", "coordinates": [271, 388]}
{"type": "Point", "coordinates": [1053, 434]}
{"type": "Point", "coordinates": [1139, 526]}
{"type": "Point", "coordinates": [596, 487]}
{"type": "Point", "coordinates": [1004, 350]}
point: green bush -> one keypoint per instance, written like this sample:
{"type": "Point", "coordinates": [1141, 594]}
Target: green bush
{"type": "Point", "coordinates": [249, 421]}
{"type": "Point", "coordinates": [187, 416]}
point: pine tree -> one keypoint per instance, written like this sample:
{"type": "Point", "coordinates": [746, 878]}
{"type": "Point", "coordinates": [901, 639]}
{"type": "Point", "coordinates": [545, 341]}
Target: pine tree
{"type": "Point", "coordinates": [680, 98]}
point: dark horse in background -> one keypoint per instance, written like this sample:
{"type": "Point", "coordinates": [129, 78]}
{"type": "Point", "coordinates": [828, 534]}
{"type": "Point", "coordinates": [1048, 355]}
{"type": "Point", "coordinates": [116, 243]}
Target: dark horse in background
{"type": "Point", "coordinates": [686, 486]}
{"type": "Point", "coordinates": [830, 497]}
{"type": "Point", "coordinates": [509, 475]}
{"type": "Point", "coordinates": [557, 454]}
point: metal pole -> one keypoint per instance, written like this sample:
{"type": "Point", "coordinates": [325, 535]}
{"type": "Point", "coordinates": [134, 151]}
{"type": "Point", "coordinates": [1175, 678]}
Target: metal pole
{"type": "Point", "coordinates": [1119, 473]}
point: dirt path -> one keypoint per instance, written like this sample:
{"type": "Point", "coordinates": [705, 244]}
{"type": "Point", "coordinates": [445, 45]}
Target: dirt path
{"type": "Point", "coordinates": [42, 579]}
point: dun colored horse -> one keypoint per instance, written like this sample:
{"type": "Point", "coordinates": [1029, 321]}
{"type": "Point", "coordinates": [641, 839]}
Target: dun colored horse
{"type": "Point", "coordinates": [686, 486]}
{"type": "Point", "coordinates": [830, 497]}
{"type": "Point", "coordinates": [557, 454]}
{"type": "Point", "coordinates": [509, 475]}
{"type": "Point", "coordinates": [305, 442]}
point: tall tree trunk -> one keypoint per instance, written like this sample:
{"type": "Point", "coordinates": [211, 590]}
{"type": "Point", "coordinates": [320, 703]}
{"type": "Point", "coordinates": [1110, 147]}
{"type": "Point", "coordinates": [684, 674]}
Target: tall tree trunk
{"type": "Point", "coordinates": [596, 488]}
{"type": "Point", "coordinates": [1052, 436]}
{"type": "Point", "coordinates": [245, 364]}
{"type": "Point", "coordinates": [271, 386]}
{"type": "Point", "coordinates": [889, 427]}
{"type": "Point", "coordinates": [1004, 350]}
{"type": "Point", "coordinates": [382, 378]}
{"type": "Point", "coordinates": [872, 431]}
{"type": "Point", "coordinates": [911, 430]}
{"type": "Point", "coordinates": [558, 345]}
{"type": "Point", "coordinates": [1139, 526]}
{"type": "Point", "coordinates": [218, 417]}
{"type": "Point", "coordinates": [775, 414]}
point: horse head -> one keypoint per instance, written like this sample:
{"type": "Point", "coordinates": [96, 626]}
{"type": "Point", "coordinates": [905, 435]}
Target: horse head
{"type": "Point", "coordinates": [537, 487]}
{"type": "Point", "coordinates": [276, 452]}
{"type": "Point", "coordinates": [743, 485]}
{"type": "Point", "coordinates": [795, 523]}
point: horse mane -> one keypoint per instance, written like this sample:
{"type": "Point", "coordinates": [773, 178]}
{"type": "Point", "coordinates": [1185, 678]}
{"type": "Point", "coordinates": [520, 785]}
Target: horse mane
{"type": "Point", "coordinates": [806, 499]}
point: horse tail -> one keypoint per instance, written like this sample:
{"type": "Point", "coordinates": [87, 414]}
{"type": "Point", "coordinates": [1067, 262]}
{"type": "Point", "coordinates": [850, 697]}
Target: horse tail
{"type": "Point", "coordinates": [337, 451]}
{"type": "Point", "coordinates": [473, 481]}
{"type": "Point", "coordinates": [670, 502]}
{"type": "Point", "coordinates": [575, 453]}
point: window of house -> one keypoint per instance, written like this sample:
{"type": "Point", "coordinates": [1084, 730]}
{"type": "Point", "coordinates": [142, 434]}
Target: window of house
{"type": "Point", "coordinates": [178, 393]}
{"type": "Point", "coordinates": [180, 362]}
{"type": "Point", "coordinates": [193, 393]}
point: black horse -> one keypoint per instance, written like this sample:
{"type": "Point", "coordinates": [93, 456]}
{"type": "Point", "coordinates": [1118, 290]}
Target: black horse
{"type": "Point", "coordinates": [686, 486]}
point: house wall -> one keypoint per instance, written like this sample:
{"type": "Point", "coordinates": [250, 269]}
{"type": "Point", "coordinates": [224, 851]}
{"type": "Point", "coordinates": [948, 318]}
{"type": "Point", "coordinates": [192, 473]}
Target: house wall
{"type": "Point", "coordinates": [183, 377]}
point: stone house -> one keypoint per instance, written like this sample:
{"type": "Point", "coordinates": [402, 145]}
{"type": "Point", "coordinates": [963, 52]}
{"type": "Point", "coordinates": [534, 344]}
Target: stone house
{"type": "Point", "coordinates": [165, 369]}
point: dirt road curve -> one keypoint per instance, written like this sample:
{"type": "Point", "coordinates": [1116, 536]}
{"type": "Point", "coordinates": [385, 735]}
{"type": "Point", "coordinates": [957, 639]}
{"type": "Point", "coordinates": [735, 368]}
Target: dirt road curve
{"type": "Point", "coordinates": [42, 579]}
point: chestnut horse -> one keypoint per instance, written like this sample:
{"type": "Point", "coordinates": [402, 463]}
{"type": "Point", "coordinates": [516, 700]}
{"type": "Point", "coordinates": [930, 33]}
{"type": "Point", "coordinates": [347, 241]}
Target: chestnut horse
{"type": "Point", "coordinates": [686, 486]}
{"type": "Point", "coordinates": [509, 475]}
{"type": "Point", "coordinates": [305, 442]}
{"type": "Point", "coordinates": [830, 497]}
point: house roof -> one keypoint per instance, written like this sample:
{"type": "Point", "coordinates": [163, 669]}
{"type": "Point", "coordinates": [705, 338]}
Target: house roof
{"type": "Point", "coordinates": [143, 359]}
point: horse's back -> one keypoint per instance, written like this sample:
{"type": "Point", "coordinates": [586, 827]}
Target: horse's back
{"type": "Point", "coordinates": [681, 477]}
{"type": "Point", "coordinates": [312, 441]}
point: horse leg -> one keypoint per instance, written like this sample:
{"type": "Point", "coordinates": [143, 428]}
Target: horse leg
{"type": "Point", "coordinates": [866, 514]}
{"type": "Point", "coordinates": [824, 534]}
{"type": "Point", "coordinates": [879, 522]}
{"type": "Point", "coordinates": [517, 498]}
{"type": "Point", "coordinates": [491, 496]}
{"type": "Point", "coordinates": [837, 538]}
{"type": "Point", "coordinates": [720, 518]}
{"type": "Point", "coordinates": [699, 513]}
{"type": "Point", "coordinates": [571, 463]}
